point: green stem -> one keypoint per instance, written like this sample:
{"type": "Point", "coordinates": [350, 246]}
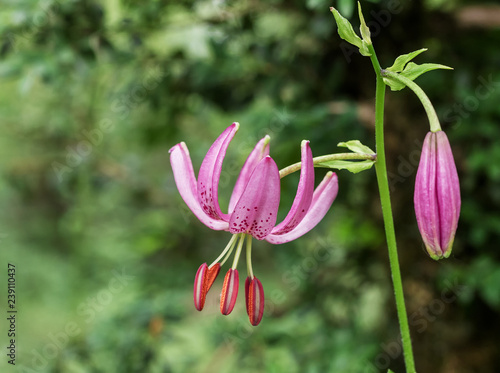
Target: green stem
{"type": "Point", "coordinates": [330, 157]}
{"type": "Point", "coordinates": [385, 199]}
{"type": "Point", "coordinates": [429, 109]}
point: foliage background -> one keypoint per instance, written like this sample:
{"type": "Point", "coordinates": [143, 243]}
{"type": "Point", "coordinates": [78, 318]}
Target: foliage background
{"type": "Point", "coordinates": [95, 93]}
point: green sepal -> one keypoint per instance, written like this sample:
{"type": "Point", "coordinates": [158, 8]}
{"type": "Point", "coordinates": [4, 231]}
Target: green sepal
{"type": "Point", "coordinates": [390, 371]}
{"type": "Point", "coordinates": [363, 28]}
{"type": "Point", "coordinates": [413, 71]}
{"type": "Point", "coordinates": [400, 62]}
{"type": "Point", "coordinates": [347, 33]}
{"type": "Point", "coordinates": [352, 166]}
{"type": "Point", "coordinates": [356, 146]}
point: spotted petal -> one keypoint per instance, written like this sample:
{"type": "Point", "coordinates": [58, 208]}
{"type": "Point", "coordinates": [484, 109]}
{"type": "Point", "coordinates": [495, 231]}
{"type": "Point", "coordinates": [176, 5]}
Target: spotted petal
{"type": "Point", "coordinates": [255, 213]}
{"type": "Point", "coordinates": [323, 197]}
{"type": "Point", "coordinates": [186, 184]}
{"type": "Point", "coordinates": [209, 175]}
{"type": "Point", "coordinates": [260, 151]}
{"type": "Point", "coordinates": [304, 194]}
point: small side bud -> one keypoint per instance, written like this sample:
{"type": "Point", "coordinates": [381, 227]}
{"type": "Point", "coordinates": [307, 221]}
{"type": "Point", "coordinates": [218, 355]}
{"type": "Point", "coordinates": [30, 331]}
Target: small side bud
{"type": "Point", "coordinates": [347, 33]}
{"type": "Point", "coordinates": [254, 299]}
{"type": "Point", "coordinates": [203, 281]}
{"type": "Point", "coordinates": [229, 291]}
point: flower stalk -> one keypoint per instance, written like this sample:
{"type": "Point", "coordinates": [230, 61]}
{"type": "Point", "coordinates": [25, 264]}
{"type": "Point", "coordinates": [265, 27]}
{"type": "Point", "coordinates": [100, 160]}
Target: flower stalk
{"type": "Point", "coordinates": [385, 199]}
{"type": "Point", "coordinates": [426, 103]}
{"type": "Point", "coordinates": [325, 158]}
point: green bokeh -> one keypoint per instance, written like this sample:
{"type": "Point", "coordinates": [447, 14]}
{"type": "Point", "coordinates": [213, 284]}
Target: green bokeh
{"type": "Point", "coordinates": [94, 94]}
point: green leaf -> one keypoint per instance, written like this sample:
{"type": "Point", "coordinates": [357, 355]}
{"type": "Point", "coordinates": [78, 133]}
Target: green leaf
{"type": "Point", "coordinates": [352, 166]}
{"type": "Point", "coordinates": [363, 28]}
{"type": "Point", "coordinates": [347, 33]}
{"type": "Point", "coordinates": [400, 62]}
{"type": "Point", "coordinates": [390, 371]}
{"type": "Point", "coordinates": [356, 146]}
{"type": "Point", "coordinates": [413, 71]}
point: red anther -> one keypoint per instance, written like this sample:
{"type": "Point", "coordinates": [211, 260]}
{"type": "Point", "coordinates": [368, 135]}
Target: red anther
{"type": "Point", "coordinates": [229, 291]}
{"type": "Point", "coordinates": [212, 274]}
{"type": "Point", "coordinates": [203, 281]}
{"type": "Point", "coordinates": [254, 296]}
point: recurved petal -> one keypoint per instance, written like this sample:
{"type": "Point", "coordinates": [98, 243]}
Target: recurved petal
{"type": "Point", "coordinates": [255, 213]}
{"type": "Point", "coordinates": [448, 193]}
{"type": "Point", "coordinates": [323, 197]}
{"type": "Point", "coordinates": [260, 151]}
{"type": "Point", "coordinates": [209, 175]}
{"type": "Point", "coordinates": [425, 197]}
{"type": "Point", "coordinates": [304, 194]}
{"type": "Point", "coordinates": [186, 184]}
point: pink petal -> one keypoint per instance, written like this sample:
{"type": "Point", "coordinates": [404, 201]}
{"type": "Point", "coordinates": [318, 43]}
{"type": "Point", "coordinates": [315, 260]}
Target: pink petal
{"type": "Point", "coordinates": [256, 211]}
{"type": "Point", "coordinates": [323, 197]}
{"type": "Point", "coordinates": [209, 175]}
{"type": "Point", "coordinates": [448, 193]}
{"type": "Point", "coordinates": [186, 184]}
{"type": "Point", "coordinates": [425, 197]}
{"type": "Point", "coordinates": [260, 151]}
{"type": "Point", "coordinates": [304, 194]}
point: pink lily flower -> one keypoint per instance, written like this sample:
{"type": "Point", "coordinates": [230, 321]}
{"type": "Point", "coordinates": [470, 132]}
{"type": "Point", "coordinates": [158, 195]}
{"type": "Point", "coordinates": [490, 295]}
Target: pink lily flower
{"type": "Point", "coordinates": [437, 195]}
{"type": "Point", "coordinates": [252, 210]}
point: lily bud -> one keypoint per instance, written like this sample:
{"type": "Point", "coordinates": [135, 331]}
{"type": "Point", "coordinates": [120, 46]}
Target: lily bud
{"type": "Point", "coordinates": [437, 195]}
{"type": "Point", "coordinates": [203, 281]}
{"type": "Point", "coordinates": [229, 291]}
{"type": "Point", "coordinates": [254, 298]}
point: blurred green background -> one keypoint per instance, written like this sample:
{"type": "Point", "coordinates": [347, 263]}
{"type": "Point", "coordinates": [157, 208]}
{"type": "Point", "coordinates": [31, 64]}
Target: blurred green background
{"type": "Point", "coordinates": [94, 93]}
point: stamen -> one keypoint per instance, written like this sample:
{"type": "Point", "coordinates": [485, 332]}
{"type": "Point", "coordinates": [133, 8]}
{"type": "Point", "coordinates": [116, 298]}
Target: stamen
{"type": "Point", "coordinates": [229, 247]}
{"type": "Point", "coordinates": [229, 291]}
{"type": "Point", "coordinates": [230, 251]}
{"type": "Point", "coordinates": [238, 251]}
{"type": "Point", "coordinates": [249, 257]}
{"type": "Point", "coordinates": [254, 299]}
